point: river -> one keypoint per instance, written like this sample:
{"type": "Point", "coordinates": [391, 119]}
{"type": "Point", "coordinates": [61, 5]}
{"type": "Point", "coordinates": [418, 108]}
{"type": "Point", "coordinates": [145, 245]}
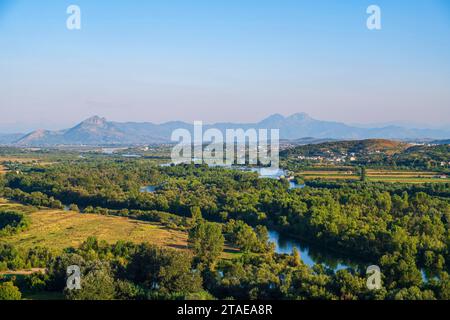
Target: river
{"type": "Point", "coordinates": [311, 255]}
{"type": "Point", "coordinates": [148, 189]}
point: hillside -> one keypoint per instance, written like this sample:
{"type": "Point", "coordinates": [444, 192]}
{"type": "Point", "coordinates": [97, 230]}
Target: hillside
{"type": "Point", "coordinates": [9, 138]}
{"type": "Point", "coordinates": [446, 141]}
{"type": "Point", "coordinates": [341, 148]}
{"type": "Point", "coordinates": [425, 156]}
{"type": "Point", "coordinates": [374, 152]}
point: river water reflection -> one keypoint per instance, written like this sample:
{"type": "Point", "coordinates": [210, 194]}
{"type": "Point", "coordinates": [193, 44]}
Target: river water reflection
{"type": "Point", "coordinates": [311, 255]}
{"type": "Point", "coordinates": [148, 189]}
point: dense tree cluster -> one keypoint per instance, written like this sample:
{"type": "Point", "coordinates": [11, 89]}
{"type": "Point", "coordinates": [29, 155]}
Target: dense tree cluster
{"type": "Point", "coordinates": [12, 258]}
{"type": "Point", "coordinates": [129, 271]}
{"type": "Point", "coordinates": [119, 271]}
{"type": "Point", "coordinates": [12, 222]}
{"type": "Point", "coordinates": [403, 229]}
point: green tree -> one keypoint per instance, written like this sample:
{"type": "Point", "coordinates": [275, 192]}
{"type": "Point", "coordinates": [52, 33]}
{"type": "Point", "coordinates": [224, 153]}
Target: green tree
{"type": "Point", "coordinates": [57, 269]}
{"type": "Point", "coordinates": [363, 174]}
{"type": "Point", "coordinates": [348, 286]}
{"type": "Point", "coordinates": [97, 283]}
{"type": "Point", "coordinates": [126, 290]}
{"type": "Point", "coordinates": [413, 293]}
{"type": "Point", "coordinates": [207, 241]}
{"type": "Point", "coordinates": [247, 239]}
{"type": "Point", "coordinates": [74, 207]}
{"type": "Point", "coordinates": [196, 214]}
{"type": "Point", "coordinates": [8, 291]}
{"type": "Point", "coordinates": [164, 271]}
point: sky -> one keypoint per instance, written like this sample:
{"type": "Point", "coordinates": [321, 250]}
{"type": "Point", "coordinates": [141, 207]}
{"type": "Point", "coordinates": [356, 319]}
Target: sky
{"type": "Point", "coordinates": [223, 60]}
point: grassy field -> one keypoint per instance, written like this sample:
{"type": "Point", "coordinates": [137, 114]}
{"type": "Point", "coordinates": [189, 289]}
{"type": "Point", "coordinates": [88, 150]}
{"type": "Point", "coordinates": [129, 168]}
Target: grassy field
{"type": "Point", "coordinates": [372, 172]}
{"type": "Point", "coordinates": [329, 175]}
{"type": "Point", "coordinates": [9, 205]}
{"type": "Point", "coordinates": [57, 229]}
{"type": "Point", "coordinates": [408, 179]}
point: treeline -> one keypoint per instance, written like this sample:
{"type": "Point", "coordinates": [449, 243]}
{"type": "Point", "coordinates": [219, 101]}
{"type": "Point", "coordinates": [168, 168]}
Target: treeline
{"type": "Point", "coordinates": [37, 199]}
{"type": "Point", "coordinates": [12, 258]}
{"type": "Point", "coordinates": [403, 229]}
{"type": "Point", "coordinates": [129, 271]}
{"type": "Point", "coordinates": [441, 190]}
{"type": "Point", "coordinates": [120, 271]}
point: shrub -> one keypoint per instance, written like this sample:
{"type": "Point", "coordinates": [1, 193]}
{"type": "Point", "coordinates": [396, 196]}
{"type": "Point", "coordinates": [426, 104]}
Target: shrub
{"type": "Point", "coordinates": [8, 291]}
{"type": "Point", "coordinates": [12, 222]}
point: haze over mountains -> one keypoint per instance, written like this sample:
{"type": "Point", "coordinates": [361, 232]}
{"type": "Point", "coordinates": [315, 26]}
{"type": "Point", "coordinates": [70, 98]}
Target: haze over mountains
{"type": "Point", "coordinates": [99, 131]}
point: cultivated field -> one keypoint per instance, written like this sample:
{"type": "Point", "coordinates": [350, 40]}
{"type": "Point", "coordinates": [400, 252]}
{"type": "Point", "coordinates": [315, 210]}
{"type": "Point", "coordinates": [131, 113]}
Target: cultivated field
{"type": "Point", "coordinates": [375, 175]}
{"type": "Point", "coordinates": [21, 159]}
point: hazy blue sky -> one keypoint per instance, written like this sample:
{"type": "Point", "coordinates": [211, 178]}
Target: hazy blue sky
{"type": "Point", "coordinates": [223, 60]}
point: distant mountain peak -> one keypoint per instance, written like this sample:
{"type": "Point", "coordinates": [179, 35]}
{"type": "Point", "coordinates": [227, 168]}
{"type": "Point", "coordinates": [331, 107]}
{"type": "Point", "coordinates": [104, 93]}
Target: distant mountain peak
{"type": "Point", "coordinates": [39, 133]}
{"type": "Point", "coordinates": [274, 117]}
{"type": "Point", "coordinates": [300, 116]}
{"type": "Point", "coordinates": [95, 120]}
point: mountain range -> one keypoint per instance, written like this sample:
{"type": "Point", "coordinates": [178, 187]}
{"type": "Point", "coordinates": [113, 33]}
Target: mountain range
{"type": "Point", "coordinates": [99, 131]}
